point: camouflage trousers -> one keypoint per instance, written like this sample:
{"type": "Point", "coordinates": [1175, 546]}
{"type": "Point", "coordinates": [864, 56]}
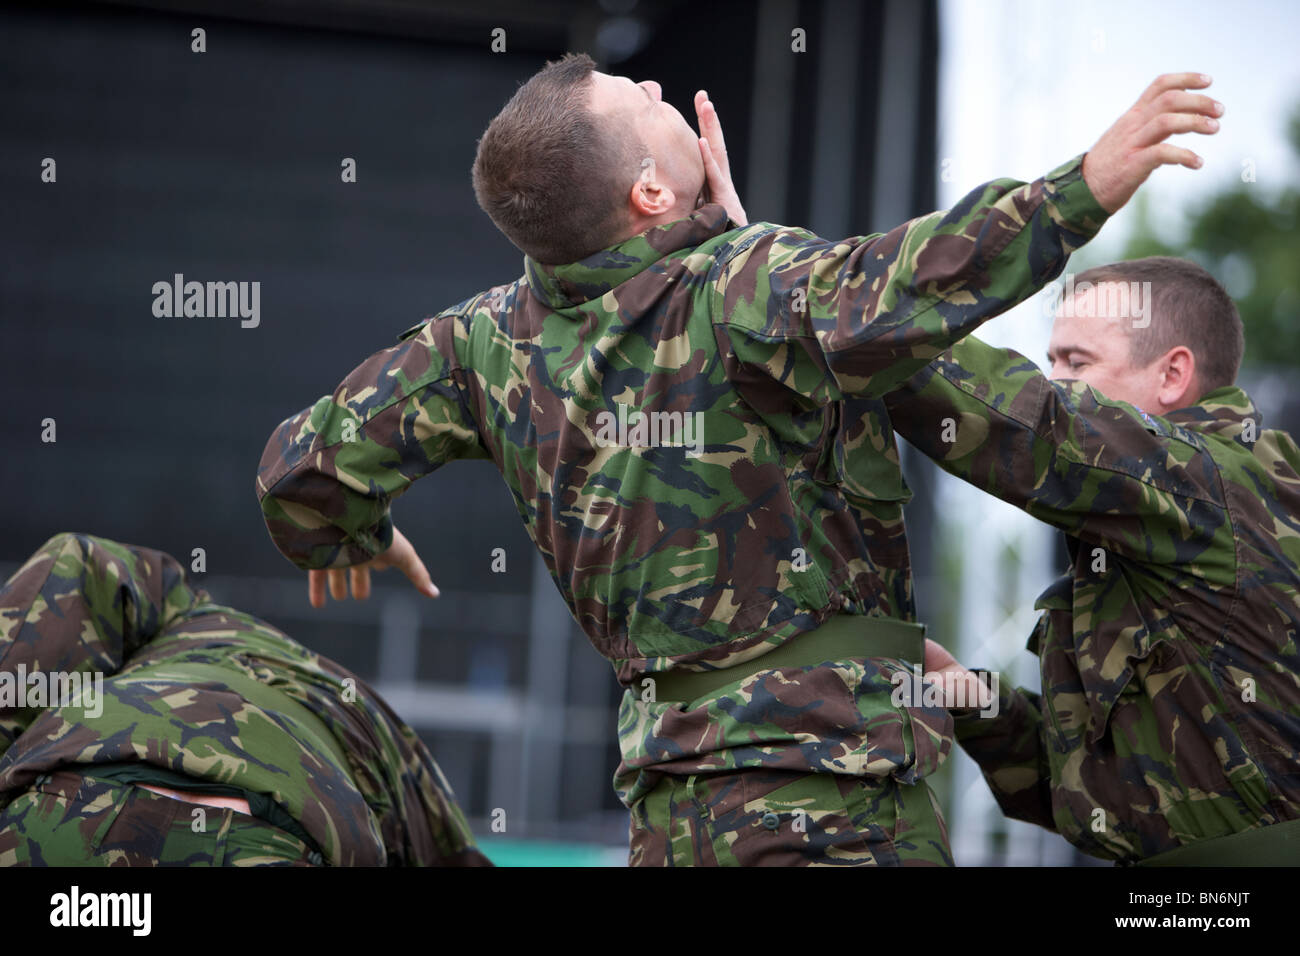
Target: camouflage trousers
{"type": "Point", "coordinates": [67, 819]}
{"type": "Point", "coordinates": [780, 818]}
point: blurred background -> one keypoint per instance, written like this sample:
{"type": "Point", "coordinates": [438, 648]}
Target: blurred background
{"type": "Point", "coordinates": [225, 166]}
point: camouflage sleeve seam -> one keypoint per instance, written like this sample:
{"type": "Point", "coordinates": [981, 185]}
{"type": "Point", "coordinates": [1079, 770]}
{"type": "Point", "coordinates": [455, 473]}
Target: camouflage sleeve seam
{"type": "Point", "coordinates": [459, 374]}
{"type": "Point", "coordinates": [466, 410]}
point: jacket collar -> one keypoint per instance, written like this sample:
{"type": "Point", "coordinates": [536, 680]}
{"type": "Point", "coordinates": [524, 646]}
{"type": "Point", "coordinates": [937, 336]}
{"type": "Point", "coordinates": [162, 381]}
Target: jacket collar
{"type": "Point", "coordinates": [1223, 412]}
{"type": "Point", "coordinates": [562, 287]}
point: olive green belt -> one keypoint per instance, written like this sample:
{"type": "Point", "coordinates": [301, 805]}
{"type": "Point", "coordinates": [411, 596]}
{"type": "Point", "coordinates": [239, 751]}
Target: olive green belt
{"type": "Point", "coordinates": [1276, 845]}
{"type": "Point", "coordinates": [843, 637]}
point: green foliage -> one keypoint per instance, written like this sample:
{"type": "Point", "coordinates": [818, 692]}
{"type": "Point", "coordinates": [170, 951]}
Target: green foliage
{"type": "Point", "coordinates": [1246, 237]}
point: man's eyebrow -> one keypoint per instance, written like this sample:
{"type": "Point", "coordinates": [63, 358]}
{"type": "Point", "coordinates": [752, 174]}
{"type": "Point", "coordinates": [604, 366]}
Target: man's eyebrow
{"type": "Point", "coordinates": [1069, 350]}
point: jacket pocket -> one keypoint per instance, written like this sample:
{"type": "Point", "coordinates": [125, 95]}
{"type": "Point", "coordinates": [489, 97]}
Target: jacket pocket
{"type": "Point", "coordinates": [1090, 641]}
{"type": "Point", "coordinates": [859, 454]}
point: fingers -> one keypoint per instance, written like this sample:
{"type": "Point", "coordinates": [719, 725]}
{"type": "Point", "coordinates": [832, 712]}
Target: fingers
{"type": "Point", "coordinates": [338, 579]}
{"type": "Point", "coordinates": [711, 169]}
{"type": "Point", "coordinates": [316, 588]}
{"type": "Point", "coordinates": [711, 128]}
{"type": "Point", "coordinates": [338, 584]}
{"type": "Point", "coordinates": [1173, 81]}
{"type": "Point", "coordinates": [713, 152]}
{"type": "Point", "coordinates": [1167, 154]}
{"type": "Point", "coordinates": [1167, 124]}
{"type": "Point", "coordinates": [1170, 124]}
{"type": "Point", "coordinates": [1178, 101]}
{"type": "Point", "coordinates": [400, 554]}
{"type": "Point", "coordinates": [721, 189]}
{"type": "Point", "coordinates": [1177, 112]}
{"type": "Point", "coordinates": [358, 578]}
{"type": "Point", "coordinates": [701, 98]}
{"type": "Point", "coordinates": [360, 582]}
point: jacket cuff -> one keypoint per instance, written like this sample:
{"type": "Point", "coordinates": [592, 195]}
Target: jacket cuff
{"type": "Point", "coordinates": [1072, 201]}
{"type": "Point", "coordinates": [970, 723]}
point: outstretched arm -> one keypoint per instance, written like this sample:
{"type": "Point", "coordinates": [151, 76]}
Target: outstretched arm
{"type": "Point", "coordinates": [1097, 469]}
{"type": "Point", "coordinates": [1006, 740]}
{"type": "Point", "coordinates": [858, 316]}
{"type": "Point", "coordinates": [329, 474]}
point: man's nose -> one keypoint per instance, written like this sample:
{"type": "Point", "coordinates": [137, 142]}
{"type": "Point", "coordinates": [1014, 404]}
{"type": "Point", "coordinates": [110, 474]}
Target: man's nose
{"type": "Point", "coordinates": [654, 89]}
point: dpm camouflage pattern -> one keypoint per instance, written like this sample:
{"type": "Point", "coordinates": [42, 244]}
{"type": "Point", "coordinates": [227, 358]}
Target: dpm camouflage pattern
{"type": "Point", "coordinates": [216, 695]}
{"type": "Point", "coordinates": [69, 819]}
{"type": "Point", "coordinates": [1170, 710]}
{"type": "Point", "coordinates": [779, 818]}
{"type": "Point", "coordinates": [781, 344]}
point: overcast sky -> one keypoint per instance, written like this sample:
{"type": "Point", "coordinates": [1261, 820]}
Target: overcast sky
{"type": "Point", "coordinates": [1028, 84]}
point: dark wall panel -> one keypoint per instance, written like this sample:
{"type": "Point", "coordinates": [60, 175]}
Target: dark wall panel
{"type": "Point", "coordinates": [226, 166]}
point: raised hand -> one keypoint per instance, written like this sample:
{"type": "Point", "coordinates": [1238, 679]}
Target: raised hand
{"type": "Point", "coordinates": [1130, 150]}
{"type": "Point", "coordinates": [717, 168]}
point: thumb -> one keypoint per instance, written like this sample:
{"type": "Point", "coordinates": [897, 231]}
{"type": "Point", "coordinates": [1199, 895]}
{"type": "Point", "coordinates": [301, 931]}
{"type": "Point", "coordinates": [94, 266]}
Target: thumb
{"type": "Point", "coordinates": [937, 657]}
{"type": "Point", "coordinates": [418, 574]}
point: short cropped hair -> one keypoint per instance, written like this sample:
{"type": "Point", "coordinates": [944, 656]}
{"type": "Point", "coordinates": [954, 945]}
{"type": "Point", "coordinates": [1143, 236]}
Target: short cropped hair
{"type": "Point", "coordinates": [1187, 307]}
{"type": "Point", "coordinates": [552, 175]}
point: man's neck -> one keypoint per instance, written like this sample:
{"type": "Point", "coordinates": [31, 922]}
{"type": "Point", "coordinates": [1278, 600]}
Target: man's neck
{"type": "Point", "coordinates": [642, 224]}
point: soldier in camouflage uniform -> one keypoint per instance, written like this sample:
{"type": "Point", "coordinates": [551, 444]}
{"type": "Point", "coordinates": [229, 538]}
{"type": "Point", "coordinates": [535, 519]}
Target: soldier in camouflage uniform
{"type": "Point", "coordinates": [752, 594]}
{"type": "Point", "coordinates": [209, 705]}
{"type": "Point", "coordinates": [1169, 715]}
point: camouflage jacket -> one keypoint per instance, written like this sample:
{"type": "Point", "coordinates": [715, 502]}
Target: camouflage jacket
{"type": "Point", "coordinates": [214, 694]}
{"type": "Point", "coordinates": [1170, 704]}
{"type": "Point", "coordinates": [743, 524]}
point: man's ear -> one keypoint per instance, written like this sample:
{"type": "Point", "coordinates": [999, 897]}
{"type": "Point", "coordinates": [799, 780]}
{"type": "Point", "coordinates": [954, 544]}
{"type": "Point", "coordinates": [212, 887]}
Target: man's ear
{"type": "Point", "coordinates": [649, 197]}
{"type": "Point", "coordinates": [1178, 378]}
